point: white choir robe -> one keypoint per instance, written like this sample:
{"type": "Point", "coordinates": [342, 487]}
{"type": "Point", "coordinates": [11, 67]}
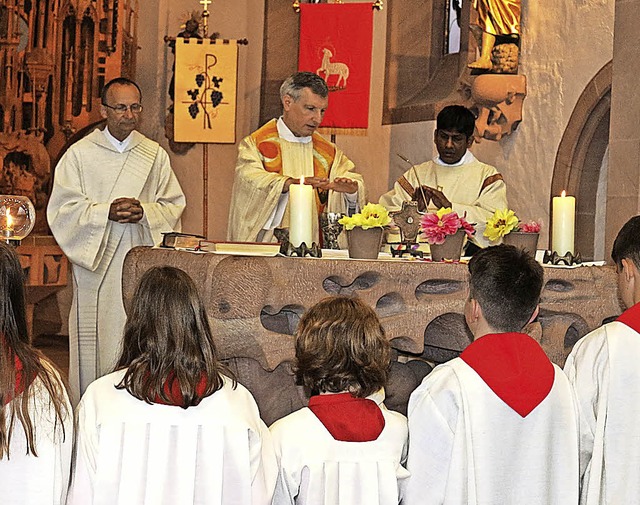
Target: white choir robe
{"type": "Point", "coordinates": [90, 175]}
{"type": "Point", "coordinates": [132, 453]}
{"type": "Point", "coordinates": [43, 480]}
{"type": "Point", "coordinates": [469, 447]}
{"type": "Point", "coordinates": [474, 189]}
{"type": "Point", "coordinates": [316, 469]}
{"type": "Point", "coordinates": [603, 369]}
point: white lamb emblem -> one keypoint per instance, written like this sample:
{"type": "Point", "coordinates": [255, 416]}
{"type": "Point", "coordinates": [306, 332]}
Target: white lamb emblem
{"type": "Point", "coordinates": [329, 68]}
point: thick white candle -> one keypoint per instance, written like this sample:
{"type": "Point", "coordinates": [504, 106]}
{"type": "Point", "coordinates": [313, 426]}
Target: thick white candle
{"type": "Point", "coordinates": [301, 214]}
{"type": "Point", "coordinates": [563, 218]}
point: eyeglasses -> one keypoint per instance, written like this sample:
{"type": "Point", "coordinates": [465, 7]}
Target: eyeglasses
{"type": "Point", "coordinates": [121, 108]}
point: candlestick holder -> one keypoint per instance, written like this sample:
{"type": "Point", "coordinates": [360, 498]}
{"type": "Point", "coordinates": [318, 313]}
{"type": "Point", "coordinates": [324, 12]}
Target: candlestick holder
{"type": "Point", "coordinates": [287, 248]}
{"type": "Point", "coordinates": [17, 218]}
{"type": "Point", "coordinates": [568, 259]}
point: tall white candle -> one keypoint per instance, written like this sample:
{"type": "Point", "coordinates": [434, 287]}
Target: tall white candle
{"type": "Point", "coordinates": [301, 214]}
{"type": "Point", "coordinates": [563, 219]}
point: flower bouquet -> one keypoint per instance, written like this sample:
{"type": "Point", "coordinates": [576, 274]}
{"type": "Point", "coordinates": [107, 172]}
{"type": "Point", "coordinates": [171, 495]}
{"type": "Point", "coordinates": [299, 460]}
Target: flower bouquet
{"type": "Point", "coordinates": [505, 225]}
{"type": "Point", "coordinates": [373, 215]}
{"type": "Point", "coordinates": [364, 231]}
{"type": "Point", "coordinates": [438, 226]}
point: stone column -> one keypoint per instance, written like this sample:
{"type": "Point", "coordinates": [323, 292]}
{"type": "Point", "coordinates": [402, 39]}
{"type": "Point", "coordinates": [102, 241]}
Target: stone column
{"type": "Point", "coordinates": [623, 193]}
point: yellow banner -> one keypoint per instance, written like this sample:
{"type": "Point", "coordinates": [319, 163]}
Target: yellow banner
{"type": "Point", "coordinates": [205, 91]}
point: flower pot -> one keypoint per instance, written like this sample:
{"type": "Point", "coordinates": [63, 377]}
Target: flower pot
{"type": "Point", "coordinates": [526, 241]}
{"type": "Point", "coordinates": [364, 244]}
{"type": "Point", "coordinates": [451, 249]}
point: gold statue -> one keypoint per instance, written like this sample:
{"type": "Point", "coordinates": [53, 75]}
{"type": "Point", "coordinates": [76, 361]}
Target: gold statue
{"type": "Point", "coordinates": [495, 18]}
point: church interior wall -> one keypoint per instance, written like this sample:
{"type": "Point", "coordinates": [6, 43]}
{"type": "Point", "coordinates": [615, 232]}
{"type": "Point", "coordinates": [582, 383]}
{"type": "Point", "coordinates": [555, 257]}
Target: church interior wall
{"type": "Point", "coordinates": [564, 44]}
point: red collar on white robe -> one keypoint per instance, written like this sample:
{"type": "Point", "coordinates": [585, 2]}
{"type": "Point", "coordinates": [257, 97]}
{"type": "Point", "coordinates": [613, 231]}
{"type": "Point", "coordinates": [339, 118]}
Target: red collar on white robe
{"type": "Point", "coordinates": [347, 418]}
{"type": "Point", "coordinates": [514, 366]}
{"type": "Point", "coordinates": [631, 317]}
{"type": "Point", "coordinates": [171, 389]}
{"type": "Point", "coordinates": [20, 383]}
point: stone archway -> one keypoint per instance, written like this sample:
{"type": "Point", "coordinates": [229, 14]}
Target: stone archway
{"type": "Point", "coordinates": [580, 158]}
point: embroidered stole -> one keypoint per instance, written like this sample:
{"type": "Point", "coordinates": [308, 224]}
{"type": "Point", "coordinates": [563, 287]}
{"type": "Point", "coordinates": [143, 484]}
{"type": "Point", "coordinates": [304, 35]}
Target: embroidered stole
{"type": "Point", "coordinates": [324, 153]}
{"type": "Point", "coordinates": [131, 180]}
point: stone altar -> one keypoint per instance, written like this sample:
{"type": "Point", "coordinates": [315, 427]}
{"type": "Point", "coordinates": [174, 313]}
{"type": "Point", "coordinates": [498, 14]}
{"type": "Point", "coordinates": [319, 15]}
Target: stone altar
{"type": "Point", "coordinates": [254, 304]}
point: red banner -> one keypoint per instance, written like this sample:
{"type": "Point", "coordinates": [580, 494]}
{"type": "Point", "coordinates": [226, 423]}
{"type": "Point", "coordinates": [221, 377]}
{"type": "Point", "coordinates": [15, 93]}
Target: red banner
{"type": "Point", "coordinates": [335, 43]}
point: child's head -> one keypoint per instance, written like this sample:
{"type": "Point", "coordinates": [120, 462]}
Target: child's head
{"type": "Point", "coordinates": [506, 282]}
{"type": "Point", "coordinates": [627, 243]}
{"type": "Point", "coordinates": [167, 335]}
{"type": "Point", "coordinates": [626, 255]}
{"type": "Point", "coordinates": [341, 346]}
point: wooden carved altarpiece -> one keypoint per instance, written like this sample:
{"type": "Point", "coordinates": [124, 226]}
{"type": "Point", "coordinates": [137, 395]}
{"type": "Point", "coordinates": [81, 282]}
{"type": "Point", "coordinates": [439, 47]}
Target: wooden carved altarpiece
{"type": "Point", "coordinates": [55, 58]}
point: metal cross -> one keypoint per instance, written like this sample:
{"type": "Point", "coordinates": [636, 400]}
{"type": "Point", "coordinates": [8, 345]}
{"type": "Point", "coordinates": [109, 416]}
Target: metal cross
{"type": "Point", "coordinates": [205, 4]}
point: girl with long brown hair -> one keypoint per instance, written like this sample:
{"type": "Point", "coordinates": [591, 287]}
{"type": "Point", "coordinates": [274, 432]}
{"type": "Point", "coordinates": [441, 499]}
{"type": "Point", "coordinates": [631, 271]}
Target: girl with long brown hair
{"type": "Point", "coordinates": [36, 420]}
{"type": "Point", "coordinates": [170, 425]}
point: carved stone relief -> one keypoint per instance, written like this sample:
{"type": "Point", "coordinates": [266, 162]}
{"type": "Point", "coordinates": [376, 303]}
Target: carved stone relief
{"type": "Point", "coordinates": [254, 304]}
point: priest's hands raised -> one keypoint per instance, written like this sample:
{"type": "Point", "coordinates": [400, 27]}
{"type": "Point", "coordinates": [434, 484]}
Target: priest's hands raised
{"type": "Point", "coordinates": [126, 210]}
{"type": "Point", "coordinates": [433, 195]}
{"type": "Point", "coordinates": [339, 184]}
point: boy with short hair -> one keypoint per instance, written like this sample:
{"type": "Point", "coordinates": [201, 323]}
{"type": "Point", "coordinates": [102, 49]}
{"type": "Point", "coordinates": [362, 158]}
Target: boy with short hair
{"type": "Point", "coordinates": [498, 424]}
{"type": "Point", "coordinates": [603, 370]}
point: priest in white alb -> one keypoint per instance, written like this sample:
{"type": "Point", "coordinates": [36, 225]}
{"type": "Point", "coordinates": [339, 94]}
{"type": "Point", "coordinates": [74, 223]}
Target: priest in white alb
{"type": "Point", "coordinates": [603, 369]}
{"type": "Point", "coordinates": [454, 178]}
{"type": "Point", "coordinates": [499, 424]}
{"type": "Point", "coordinates": [113, 190]}
{"type": "Point", "coordinates": [282, 152]}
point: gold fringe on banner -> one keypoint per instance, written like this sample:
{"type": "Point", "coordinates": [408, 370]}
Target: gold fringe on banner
{"type": "Point", "coordinates": [378, 5]}
{"type": "Point", "coordinates": [356, 132]}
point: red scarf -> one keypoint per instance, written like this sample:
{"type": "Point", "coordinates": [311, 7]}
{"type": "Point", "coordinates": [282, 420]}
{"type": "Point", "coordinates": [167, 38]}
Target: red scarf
{"type": "Point", "coordinates": [171, 388]}
{"type": "Point", "coordinates": [20, 384]}
{"type": "Point", "coordinates": [347, 418]}
{"type": "Point", "coordinates": [631, 317]}
{"type": "Point", "coordinates": [514, 366]}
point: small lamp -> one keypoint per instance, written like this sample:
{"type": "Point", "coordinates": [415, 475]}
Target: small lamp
{"type": "Point", "coordinates": [17, 218]}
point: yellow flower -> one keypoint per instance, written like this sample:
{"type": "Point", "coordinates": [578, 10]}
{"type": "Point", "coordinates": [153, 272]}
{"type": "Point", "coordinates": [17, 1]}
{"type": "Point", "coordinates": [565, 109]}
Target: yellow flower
{"type": "Point", "coordinates": [501, 223]}
{"type": "Point", "coordinates": [442, 211]}
{"type": "Point", "coordinates": [372, 215]}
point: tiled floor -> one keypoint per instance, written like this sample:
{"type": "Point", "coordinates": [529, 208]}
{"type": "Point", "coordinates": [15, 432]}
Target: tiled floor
{"type": "Point", "coordinates": [56, 348]}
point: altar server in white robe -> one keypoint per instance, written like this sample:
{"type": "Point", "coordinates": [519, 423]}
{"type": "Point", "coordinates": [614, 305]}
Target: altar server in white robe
{"type": "Point", "coordinates": [499, 424]}
{"type": "Point", "coordinates": [170, 426]}
{"type": "Point", "coordinates": [281, 152]}
{"type": "Point", "coordinates": [454, 178]}
{"type": "Point", "coordinates": [345, 448]}
{"type": "Point", "coordinates": [112, 191]}
{"type": "Point", "coordinates": [36, 420]}
{"type": "Point", "coordinates": [603, 369]}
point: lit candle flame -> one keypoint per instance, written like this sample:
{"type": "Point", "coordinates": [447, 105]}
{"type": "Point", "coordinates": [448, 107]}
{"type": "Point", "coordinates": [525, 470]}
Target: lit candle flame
{"type": "Point", "coordinates": [563, 194]}
{"type": "Point", "coordinates": [9, 222]}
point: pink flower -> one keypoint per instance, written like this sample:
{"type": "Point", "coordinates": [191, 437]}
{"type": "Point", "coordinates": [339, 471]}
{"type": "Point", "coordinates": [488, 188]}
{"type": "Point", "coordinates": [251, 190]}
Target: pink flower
{"type": "Point", "coordinates": [531, 227]}
{"type": "Point", "coordinates": [437, 228]}
{"type": "Point", "coordinates": [468, 228]}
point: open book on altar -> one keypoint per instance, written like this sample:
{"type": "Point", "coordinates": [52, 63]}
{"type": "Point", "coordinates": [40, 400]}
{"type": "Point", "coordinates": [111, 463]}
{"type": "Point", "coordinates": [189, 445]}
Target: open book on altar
{"type": "Point", "coordinates": [241, 248]}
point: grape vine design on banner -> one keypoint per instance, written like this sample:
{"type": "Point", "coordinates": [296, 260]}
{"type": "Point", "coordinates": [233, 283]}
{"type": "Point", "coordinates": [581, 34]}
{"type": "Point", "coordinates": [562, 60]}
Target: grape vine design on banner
{"type": "Point", "coordinates": [206, 97]}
